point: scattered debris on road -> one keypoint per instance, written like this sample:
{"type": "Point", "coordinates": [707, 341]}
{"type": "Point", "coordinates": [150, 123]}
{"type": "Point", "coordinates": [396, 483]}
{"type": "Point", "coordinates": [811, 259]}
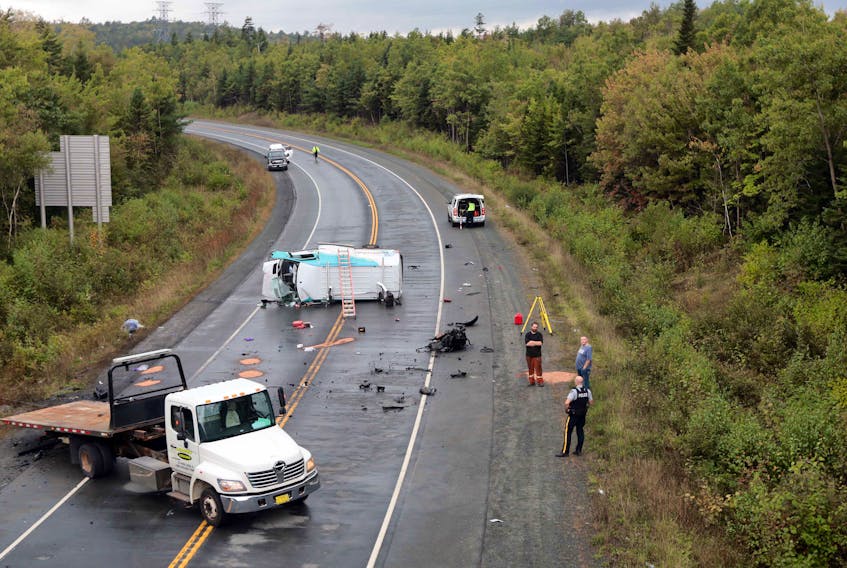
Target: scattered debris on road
{"type": "Point", "coordinates": [453, 339]}
{"type": "Point", "coordinates": [469, 323]}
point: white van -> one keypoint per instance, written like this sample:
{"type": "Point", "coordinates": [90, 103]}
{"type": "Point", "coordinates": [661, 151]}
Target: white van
{"type": "Point", "coordinates": [458, 213]}
{"type": "Point", "coordinates": [278, 156]}
{"type": "Point", "coordinates": [312, 276]}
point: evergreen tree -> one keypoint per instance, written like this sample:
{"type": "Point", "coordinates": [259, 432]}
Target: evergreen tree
{"type": "Point", "coordinates": [685, 39]}
{"type": "Point", "coordinates": [248, 32]}
{"type": "Point", "coordinates": [82, 66]}
{"type": "Point", "coordinates": [479, 27]}
{"type": "Point", "coordinates": [51, 46]}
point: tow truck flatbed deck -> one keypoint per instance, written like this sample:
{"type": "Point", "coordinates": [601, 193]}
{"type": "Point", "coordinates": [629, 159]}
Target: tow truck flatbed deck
{"type": "Point", "coordinates": [79, 417]}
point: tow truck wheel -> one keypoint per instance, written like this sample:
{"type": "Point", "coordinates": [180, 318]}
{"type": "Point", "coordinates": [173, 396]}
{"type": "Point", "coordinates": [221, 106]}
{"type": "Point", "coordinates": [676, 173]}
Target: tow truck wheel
{"type": "Point", "coordinates": [108, 457]}
{"type": "Point", "coordinates": [91, 461]}
{"type": "Point", "coordinates": [211, 507]}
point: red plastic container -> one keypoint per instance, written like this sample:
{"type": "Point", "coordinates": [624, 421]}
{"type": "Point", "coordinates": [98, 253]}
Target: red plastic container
{"type": "Point", "coordinates": [518, 318]}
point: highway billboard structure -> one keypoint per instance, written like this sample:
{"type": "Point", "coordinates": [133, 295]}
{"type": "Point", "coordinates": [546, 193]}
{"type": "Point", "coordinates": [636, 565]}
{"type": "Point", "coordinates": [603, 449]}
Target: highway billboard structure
{"type": "Point", "coordinates": [79, 176]}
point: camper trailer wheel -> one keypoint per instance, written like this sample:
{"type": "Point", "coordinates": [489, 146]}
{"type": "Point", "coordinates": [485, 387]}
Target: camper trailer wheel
{"type": "Point", "coordinates": [211, 507]}
{"type": "Point", "coordinates": [91, 461]}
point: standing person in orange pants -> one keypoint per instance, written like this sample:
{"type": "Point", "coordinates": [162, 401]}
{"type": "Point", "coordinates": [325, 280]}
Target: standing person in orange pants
{"type": "Point", "coordinates": [534, 340]}
{"type": "Point", "coordinates": [576, 407]}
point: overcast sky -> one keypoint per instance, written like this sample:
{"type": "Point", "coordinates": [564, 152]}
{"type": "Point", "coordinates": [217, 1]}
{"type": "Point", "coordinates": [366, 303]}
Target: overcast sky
{"type": "Point", "coordinates": [361, 16]}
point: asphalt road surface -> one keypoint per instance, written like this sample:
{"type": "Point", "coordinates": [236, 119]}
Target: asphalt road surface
{"type": "Point", "coordinates": [464, 477]}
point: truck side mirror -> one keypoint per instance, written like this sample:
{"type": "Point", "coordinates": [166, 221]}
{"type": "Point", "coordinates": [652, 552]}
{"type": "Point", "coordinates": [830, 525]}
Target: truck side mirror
{"type": "Point", "coordinates": [280, 393]}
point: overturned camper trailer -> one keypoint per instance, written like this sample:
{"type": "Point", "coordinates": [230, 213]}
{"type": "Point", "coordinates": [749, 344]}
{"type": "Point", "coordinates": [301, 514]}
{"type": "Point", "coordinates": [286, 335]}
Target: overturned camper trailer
{"type": "Point", "coordinates": [315, 276]}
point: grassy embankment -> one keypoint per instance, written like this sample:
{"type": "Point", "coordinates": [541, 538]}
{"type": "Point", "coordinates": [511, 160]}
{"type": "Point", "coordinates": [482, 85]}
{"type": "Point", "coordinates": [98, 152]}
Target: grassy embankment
{"type": "Point", "coordinates": [68, 303]}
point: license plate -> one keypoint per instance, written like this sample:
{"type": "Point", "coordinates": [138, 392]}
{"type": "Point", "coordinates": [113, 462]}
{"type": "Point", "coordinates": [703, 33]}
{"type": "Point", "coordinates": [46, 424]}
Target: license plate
{"type": "Point", "coordinates": [284, 498]}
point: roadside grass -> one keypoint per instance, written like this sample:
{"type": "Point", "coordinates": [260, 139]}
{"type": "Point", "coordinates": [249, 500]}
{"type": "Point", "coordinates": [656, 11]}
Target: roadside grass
{"type": "Point", "coordinates": [82, 350]}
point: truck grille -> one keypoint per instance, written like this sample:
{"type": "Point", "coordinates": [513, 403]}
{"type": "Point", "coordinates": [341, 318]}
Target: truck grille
{"type": "Point", "coordinates": [281, 473]}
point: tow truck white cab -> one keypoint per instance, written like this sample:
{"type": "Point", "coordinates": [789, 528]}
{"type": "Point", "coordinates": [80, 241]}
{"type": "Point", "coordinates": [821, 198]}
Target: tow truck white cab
{"type": "Point", "coordinates": [457, 209]}
{"type": "Point", "coordinates": [217, 446]}
{"type": "Point", "coordinates": [315, 276]}
{"type": "Point", "coordinates": [278, 156]}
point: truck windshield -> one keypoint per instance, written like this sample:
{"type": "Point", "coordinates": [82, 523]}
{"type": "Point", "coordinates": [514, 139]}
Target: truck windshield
{"type": "Point", "coordinates": [234, 417]}
{"type": "Point", "coordinates": [276, 154]}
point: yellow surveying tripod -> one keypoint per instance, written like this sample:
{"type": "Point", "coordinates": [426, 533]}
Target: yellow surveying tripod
{"type": "Point", "coordinates": [545, 320]}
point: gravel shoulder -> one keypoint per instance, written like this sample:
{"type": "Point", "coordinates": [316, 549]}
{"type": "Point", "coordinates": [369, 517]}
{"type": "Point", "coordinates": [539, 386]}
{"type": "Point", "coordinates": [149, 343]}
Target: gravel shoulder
{"type": "Point", "coordinates": [543, 501]}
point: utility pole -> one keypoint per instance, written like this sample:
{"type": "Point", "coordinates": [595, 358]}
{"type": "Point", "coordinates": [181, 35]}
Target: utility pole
{"type": "Point", "coordinates": [213, 10]}
{"type": "Point", "coordinates": [164, 8]}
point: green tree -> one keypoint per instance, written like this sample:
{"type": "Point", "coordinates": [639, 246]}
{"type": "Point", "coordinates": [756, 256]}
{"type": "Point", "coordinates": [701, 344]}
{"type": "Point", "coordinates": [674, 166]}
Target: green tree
{"type": "Point", "coordinates": [685, 38]}
{"type": "Point", "coordinates": [479, 25]}
{"type": "Point", "coordinates": [804, 116]}
{"type": "Point", "coordinates": [23, 148]}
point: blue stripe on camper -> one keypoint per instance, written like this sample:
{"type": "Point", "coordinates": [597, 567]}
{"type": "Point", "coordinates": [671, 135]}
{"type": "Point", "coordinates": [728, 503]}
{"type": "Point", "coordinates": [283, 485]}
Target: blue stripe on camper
{"type": "Point", "coordinates": [322, 259]}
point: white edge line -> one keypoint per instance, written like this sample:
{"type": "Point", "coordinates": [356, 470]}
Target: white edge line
{"type": "Point", "coordinates": [256, 309]}
{"type": "Point", "coordinates": [43, 518]}
{"type": "Point", "coordinates": [240, 141]}
{"type": "Point", "coordinates": [401, 477]}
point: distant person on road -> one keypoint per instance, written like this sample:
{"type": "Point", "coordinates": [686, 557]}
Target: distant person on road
{"type": "Point", "coordinates": [576, 408]}
{"type": "Point", "coordinates": [534, 340]}
{"type": "Point", "coordinates": [315, 152]}
{"type": "Point", "coordinates": [583, 360]}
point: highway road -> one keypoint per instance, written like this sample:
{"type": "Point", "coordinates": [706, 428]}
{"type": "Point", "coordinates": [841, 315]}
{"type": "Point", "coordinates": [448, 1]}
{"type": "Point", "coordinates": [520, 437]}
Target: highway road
{"type": "Point", "coordinates": [407, 480]}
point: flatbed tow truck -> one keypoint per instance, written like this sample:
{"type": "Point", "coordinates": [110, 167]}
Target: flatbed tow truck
{"type": "Point", "coordinates": [217, 446]}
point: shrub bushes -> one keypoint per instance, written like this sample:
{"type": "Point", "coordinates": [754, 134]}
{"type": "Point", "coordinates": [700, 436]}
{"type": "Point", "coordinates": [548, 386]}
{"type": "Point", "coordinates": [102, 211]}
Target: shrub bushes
{"type": "Point", "coordinates": [52, 287]}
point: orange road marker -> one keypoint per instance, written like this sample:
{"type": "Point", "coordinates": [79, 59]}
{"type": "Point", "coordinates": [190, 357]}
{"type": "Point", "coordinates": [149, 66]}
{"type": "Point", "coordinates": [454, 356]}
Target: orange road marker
{"type": "Point", "coordinates": [553, 377]}
{"type": "Point", "coordinates": [250, 374]}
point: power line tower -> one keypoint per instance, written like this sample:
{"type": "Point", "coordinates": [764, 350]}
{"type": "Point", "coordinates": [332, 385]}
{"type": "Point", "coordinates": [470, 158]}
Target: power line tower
{"type": "Point", "coordinates": [213, 10]}
{"type": "Point", "coordinates": [164, 8]}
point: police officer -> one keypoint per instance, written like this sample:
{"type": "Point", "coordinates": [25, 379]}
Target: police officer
{"type": "Point", "coordinates": [316, 151]}
{"type": "Point", "coordinates": [576, 407]}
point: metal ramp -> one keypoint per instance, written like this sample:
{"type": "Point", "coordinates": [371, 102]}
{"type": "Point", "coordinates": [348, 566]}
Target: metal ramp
{"type": "Point", "coordinates": [345, 275]}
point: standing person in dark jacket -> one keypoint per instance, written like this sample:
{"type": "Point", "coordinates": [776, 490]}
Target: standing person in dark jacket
{"type": "Point", "coordinates": [576, 407]}
{"type": "Point", "coordinates": [534, 340]}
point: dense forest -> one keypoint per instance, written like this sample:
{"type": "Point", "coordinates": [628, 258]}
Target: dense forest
{"type": "Point", "coordinates": [694, 162]}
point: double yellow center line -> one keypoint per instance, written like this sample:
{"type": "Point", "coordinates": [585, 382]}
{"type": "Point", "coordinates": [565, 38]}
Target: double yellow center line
{"type": "Point", "coordinates": [300, 391]}
{"type": "Point", "coordinates": [192, 546]}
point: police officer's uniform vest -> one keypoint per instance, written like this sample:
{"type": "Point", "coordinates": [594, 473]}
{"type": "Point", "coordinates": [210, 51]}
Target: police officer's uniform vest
{"type": "Point", "coordinates": [579, 405]}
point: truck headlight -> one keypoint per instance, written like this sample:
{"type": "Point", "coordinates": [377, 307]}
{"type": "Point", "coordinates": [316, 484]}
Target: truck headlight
{"type": "Point", "coordinates": [310, 465]}
{"type": "Point", "coordinates": [230, 485]}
